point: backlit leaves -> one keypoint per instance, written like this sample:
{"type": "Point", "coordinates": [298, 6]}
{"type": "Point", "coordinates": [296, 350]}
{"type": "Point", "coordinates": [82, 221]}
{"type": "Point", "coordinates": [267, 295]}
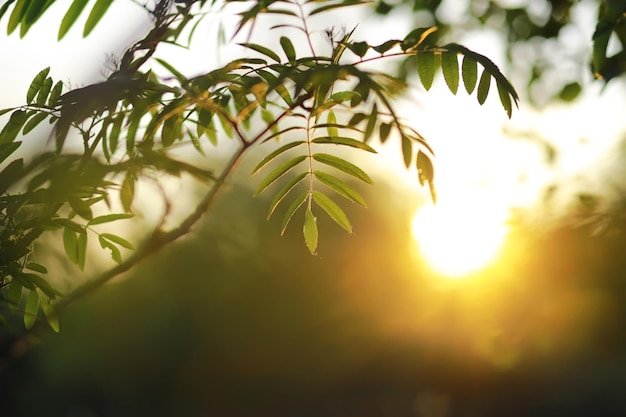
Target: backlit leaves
{"type": "Point", "coordinates": [426, 66]}
{"type": "Point", "coordinates": [343, 165]}
{"type": "Point", "coordinates": [316, 107]}
{"type": "Point", "coordinates": [450, 68]}
{"type": "Point", "coordinates": [310, 230]}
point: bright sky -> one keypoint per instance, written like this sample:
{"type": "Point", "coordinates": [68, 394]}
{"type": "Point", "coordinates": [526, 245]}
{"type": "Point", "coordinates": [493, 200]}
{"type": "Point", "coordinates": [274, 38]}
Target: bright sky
{"type": "Point", "coordinates": [480, 172]}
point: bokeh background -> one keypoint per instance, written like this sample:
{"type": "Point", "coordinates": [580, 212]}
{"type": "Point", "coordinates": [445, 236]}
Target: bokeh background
{"type": "Point", "coordinates": [237, 320]}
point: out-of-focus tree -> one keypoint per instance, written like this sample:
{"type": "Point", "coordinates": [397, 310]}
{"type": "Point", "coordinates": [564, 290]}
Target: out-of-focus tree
{"type": "Point", "coordinates": [543, 37]}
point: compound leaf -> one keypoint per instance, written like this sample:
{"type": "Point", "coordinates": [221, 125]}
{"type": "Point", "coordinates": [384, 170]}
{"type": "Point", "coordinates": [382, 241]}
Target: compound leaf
{"type": "Point", "coordinates": [333, 210]}
{"type": "Point", "coordinates": [295, 205]}
{"type": "Point", "coordinates": [118, 239]}
{"type": "Point", "coordinates": [275, 153]}
{"type": "Point", "coordinates": [36, 85]}
{"type": "Point", "coordinates": [340, 187]}
{"type": "Point", "coordinates": [343, 165]}
{"type": "Point", "coordinates": [278, 172]}
{"type": "Point", "coordinates": [310, 230]}
{"type": "Point", "coordinates": [284, 191]}
{"type": "Point", "coordinates": [340, 140]}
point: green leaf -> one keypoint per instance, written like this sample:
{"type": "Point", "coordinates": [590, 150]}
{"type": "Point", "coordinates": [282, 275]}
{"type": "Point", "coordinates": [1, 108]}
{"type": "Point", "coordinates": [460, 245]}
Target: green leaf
{"type": "Point", "coordinates": [13, 126]}
{"type": "Point", "coordinates": [425, 170]}
{"type": "Point", "coordinates": [69, 224]}
{"type": "Point", "coordinates": [278, 172]}
{"type": "Point", "coordinates": [331, 119]}
{"type": "Point", "coordinates": [288, 48]}
{"type": "Point", "coordinates": [34, 122]}
{"type": "Point", "coordinates": [5, 7]}
{"type": "Point", "coordinates": [386, 46]}
{"type": "Point", "coordinates": [407, 151]}
{"type": "Point", "coordinates": [81, 250]}
{"type": "Point", "coordinates": [179, 76]}
{"type": "Point", "coordinates": [19, 10]}
{"type": "Point", "coordinates": [14, 295]}
{"type": "Point", "coordinates": [284, 191]}
{"type": "Point", "coordinates": [371, 123]}
{"type": "Point", "coordinates": [53, 99]}
{"type": "Point", "coordinates": [470, 74]}
{"type": "Point", "coordinates": [358, 48]}
{"type": "Point", "coordinates": [263, 50]}
{"type": "Point", "coordinates": [339, 140]}
{"type": "Point", "coordinates": [41, 283]}
{"type": "Point", "coordinates": [127, 191]}
{"type": "Point", "coordinates": [343, 165]}
{"type": "Point", "coordinates": [116, 255]}
{"type": "Point", "coordinates": [333, 210]}
{"type": "Point", "coordinates": [340, 187]}
{"type": "Point", "coordinates": [426, 68]}
{"type": "Point", "coordinates": [107, 218]}
{"type": "Point", "coordinates": [116, 129]}
{"type": "Point", "coordinates": [31, 309]}
{"type": "Point", "coordinates": [36, 85]}
{"type": "Point", "coordinates": [333, 6]}
{"type": "Point", "coordinates": [342, 96]}
{"type": "Point", "coordinates": [13, 172]}
{"type": "Point", "coordinates": [416, 37]}
{"type": "Point", "coordinates": [275, 153]}
{"type": "Point", "coordinates": [118, 239]}
{"type": "Point", "coordinates": [36, 267]}
{"type": "Point", "coordinates": [483, 87]}
{"type": "Point", "coordinates": [170, 131]}
{"type": "Point", "coordinates": [70, 17]}
{"type": "Point", "coordinates": [50, 314]}
{"type": "Point", "coordinates": [570, 91]}
{"type": "Point", "coordinates": [34, 12]}
{"type": "Point", "coordinates": [310, 230]}
{"type": "Point", "coordinates": [505, 99]}
{"type": "Point", "coordinates": [80, 207]}
{"type": "Point", "coordinates": [6, 149]}
{"type": "Point", "coordinates": [96, 14]}
{"type": "Point", "coordinates": [70, 241]}
{"type": "Point", "coordinates": [291, 210]}
{"type": "Point", "coordinates": [450, 68]}
{"type": "Point", "coordinates": [42, 96]}
{"type": "Point", "coordinates": [384, 130]}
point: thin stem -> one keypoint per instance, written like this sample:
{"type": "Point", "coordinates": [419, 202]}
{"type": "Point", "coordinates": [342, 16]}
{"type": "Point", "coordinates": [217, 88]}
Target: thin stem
{"type": "Point", "coordinates": [306, 30]}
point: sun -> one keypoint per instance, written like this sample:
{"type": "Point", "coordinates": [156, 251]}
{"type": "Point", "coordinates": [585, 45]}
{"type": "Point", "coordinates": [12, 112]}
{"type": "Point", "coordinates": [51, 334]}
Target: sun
{"type": "Point", "coordinates": [460, 237]}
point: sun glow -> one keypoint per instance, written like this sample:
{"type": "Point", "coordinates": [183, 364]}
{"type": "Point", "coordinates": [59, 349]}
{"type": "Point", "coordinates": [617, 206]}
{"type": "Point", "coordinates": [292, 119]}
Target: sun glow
{"type": "Point", "coordinates": [460, 236]}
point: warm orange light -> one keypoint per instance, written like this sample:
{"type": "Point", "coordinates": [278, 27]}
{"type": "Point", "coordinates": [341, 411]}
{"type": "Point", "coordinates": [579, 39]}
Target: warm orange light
{"type": "Point", "coordinates": [458, 238]}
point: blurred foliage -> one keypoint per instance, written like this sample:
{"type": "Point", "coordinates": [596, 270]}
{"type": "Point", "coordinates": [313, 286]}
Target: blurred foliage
{"type": "Point", "coordinates": [538, 36]}
{"type": "Point", "coordinates": [241, 322]}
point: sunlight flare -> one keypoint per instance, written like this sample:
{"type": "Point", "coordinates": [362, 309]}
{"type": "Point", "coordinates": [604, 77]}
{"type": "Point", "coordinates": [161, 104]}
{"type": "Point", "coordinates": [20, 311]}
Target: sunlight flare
{"type": "Point", "coordinates": [459, 237]}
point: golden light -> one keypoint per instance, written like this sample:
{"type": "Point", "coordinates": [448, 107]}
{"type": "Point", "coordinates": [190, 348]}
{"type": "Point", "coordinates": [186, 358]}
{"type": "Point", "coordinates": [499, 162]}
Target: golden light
{"type": "Point", "coordinates": [460, 236]}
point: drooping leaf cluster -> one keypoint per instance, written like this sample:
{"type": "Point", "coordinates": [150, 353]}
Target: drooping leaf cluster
{"type": "Point", "coordinates": [539, 27]}
{"type": "Point", "coordinates": [310, 111]}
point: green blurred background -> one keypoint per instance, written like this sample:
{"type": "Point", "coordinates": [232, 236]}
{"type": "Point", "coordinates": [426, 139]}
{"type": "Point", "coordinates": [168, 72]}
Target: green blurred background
{"type": "Point", "coordinates": [239, 321]}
